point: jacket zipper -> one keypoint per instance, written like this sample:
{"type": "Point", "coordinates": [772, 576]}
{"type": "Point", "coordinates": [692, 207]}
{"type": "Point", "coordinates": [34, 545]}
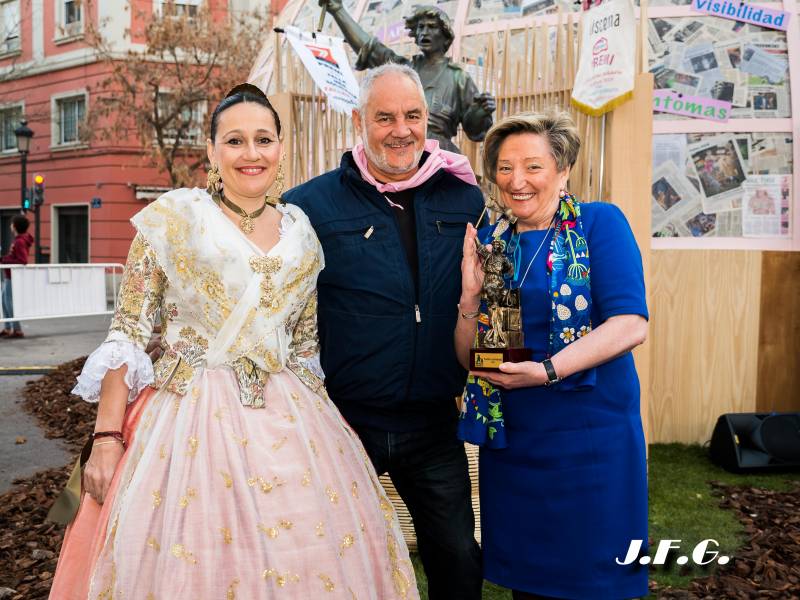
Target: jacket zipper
{"type": "Point", "coordinates": [417, 313]}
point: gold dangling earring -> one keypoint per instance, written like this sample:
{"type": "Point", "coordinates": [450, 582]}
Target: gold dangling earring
{"type": "Point", "coordinates": [279, 183]}
{"type": "Point", "coordinates": [214, 183]}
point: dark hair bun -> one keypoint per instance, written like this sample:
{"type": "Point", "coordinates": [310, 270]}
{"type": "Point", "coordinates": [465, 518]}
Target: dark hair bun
{"type": "Point", "coordinates": [244, 92]}
{"type": "Point", "coordinates": [246, 88]}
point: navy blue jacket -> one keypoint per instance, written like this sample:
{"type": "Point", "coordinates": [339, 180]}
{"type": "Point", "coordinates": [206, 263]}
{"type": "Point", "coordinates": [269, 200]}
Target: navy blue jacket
{"type": "Point", "coordinates": [388, 356]}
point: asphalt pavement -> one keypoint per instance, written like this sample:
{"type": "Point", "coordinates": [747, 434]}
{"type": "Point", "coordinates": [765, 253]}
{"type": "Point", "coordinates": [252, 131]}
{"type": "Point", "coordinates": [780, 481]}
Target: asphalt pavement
{"type": "Point", "coordinates": [47, 343]}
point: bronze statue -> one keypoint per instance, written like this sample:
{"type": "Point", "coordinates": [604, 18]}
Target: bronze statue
{"type": "Point", "coordinates": [451, 94]}
{"type": "Point", "coordinates": [495, 266]}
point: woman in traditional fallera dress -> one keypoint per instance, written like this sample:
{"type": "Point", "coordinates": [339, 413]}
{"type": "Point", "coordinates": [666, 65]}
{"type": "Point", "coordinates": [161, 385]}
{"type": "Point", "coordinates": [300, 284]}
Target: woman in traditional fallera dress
{"type": "Point", "coordinates": [238, 478]}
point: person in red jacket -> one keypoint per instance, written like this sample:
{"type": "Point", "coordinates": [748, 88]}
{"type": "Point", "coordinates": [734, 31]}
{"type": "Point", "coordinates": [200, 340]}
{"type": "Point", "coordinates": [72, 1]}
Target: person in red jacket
{"type": "Point", "coordinates": [17, 255]}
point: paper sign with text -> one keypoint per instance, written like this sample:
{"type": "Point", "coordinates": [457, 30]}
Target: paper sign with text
{"type": "Point", "coordinates": [326, 61]}
{"type": "Point", "coordinates": [744, 12]}
{"type": "Point", "coordinates": [699, 107]}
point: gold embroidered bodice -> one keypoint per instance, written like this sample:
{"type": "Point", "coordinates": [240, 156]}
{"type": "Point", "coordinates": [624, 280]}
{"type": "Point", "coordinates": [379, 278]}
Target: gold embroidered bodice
{"type": "Point", "coordinates": [219, 297]}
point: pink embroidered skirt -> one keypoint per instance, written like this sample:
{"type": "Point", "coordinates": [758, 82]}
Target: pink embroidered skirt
{"type": "Point", "coordinates": [216, 500]}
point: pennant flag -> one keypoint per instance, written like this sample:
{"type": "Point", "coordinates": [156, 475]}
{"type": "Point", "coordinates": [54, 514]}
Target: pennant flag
{"type": "Point", "coordinates": [607, 62]}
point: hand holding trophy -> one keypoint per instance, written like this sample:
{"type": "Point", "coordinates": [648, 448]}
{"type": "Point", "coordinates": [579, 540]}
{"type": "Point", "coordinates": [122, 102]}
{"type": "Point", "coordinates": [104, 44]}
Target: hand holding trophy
{"type": "Point", "coordinates": [502, 340]}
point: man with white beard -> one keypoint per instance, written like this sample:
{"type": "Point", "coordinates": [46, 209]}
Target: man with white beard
{"type": "Point", "coordinates": [391, 220]}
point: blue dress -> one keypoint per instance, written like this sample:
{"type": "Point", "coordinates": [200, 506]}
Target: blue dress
{"type": "Point", "coordinates": [569, 493]}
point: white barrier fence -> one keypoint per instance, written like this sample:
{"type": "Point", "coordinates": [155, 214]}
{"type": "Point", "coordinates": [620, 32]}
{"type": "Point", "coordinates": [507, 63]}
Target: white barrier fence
{"type": "Point", "coordinates": [62, 290]}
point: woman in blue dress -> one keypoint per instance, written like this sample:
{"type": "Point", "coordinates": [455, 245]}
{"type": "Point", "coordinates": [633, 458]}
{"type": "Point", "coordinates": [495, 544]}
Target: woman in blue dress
{"type": "Point", "coordinates": [563, 483]}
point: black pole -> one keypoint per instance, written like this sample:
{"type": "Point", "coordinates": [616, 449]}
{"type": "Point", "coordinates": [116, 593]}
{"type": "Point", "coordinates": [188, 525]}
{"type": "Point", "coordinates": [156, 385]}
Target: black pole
{"type": "Point", "coordinates": [24, 173]}
{"type": "Point", "coordinates": [37, 244]}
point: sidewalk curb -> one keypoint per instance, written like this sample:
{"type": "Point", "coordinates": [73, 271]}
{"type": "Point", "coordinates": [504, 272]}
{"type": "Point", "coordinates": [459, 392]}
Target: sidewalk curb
{"type": "Point", "coordinates": [26, 370]}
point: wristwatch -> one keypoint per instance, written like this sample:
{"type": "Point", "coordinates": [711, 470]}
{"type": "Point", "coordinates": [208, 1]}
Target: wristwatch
{"type": "Point", "coordinates": [552, 377]}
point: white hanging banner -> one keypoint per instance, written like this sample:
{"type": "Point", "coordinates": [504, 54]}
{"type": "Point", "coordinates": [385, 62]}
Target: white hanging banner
{"type": "Point", "coordinates": [326, 60]}
{"type": "Point", "coordinates": [607, 63]}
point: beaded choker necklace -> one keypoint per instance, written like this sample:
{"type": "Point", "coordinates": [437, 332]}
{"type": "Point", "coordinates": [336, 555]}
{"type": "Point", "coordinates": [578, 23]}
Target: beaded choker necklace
{"type": "Point", "coordinates": [247, 224]}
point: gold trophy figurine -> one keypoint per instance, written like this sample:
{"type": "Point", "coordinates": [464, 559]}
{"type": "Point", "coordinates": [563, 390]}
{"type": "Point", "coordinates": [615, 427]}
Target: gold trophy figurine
{"type": "Point", "coordinates": [503, 341]}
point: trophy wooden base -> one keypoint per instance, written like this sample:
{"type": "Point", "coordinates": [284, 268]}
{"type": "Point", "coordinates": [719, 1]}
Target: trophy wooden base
{"type": "Point", "coordinates": [490, 359]}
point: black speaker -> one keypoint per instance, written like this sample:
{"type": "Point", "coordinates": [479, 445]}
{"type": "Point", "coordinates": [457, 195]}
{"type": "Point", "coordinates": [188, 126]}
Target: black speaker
{"type": "Point", "coordinates": [744, 442]}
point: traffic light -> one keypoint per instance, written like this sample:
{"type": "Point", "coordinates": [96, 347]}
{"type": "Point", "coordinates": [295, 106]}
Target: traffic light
{"type": "Point", "coordinates": [26, 200]}
{"type": "Point", "coordinates": [38, 190]}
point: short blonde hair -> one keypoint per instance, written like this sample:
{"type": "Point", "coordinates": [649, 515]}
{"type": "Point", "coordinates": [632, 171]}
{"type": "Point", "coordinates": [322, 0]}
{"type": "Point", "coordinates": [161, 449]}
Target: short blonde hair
{"type": "Point", "coordinates": [556, 126]}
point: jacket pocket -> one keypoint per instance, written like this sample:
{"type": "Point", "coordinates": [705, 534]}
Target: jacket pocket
{"type": "Point", "coordinates": [350, 232]}
{"type": "Point", "coordinates": [450, 224]}
{"type": "Point", "coordinates": [451, 228]}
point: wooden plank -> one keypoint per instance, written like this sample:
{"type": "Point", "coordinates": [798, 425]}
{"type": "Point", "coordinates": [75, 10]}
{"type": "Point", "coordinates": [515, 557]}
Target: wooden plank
{"type": "Point", "coordinates": [504, 77]}
{"type": "Point", "coordinates": [560, 65]}
{"type": "Point", "coordinates": [525, 88]}
{"type": "Point", "coordinates": [278, 66]}
{"type": "Point", "coordinates": [628, 165]}
{"type": "Point", "coordinates": [778, 386]}
{"type": "Point", "coordinates": [544, 57]}
{"type": "Point", "coordinates": [533, 88]}
{"type": "Point", "coordinates": [643, 45]}
{"type": "Point", "coordinates": [314, 139]}
{"type": "Point", "coordinates": [282, 102]}
{"type": "Point", "coordinates": [292, 75]}
{"type": "Point", "coordinates": [570, 50]}
{"type": "Point", "coordinates": [704, 307]}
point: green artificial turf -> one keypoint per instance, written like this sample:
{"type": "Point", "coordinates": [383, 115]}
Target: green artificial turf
{"type": "Point", "coordinates": [681, 508]}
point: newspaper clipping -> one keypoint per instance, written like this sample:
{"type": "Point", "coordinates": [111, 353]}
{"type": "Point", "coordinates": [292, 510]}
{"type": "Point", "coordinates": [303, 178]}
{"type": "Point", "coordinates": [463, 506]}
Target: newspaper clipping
{"type": "Point", "coordinates": [721, 185]}
{"type": "Point", "coordinates": [743, 64]}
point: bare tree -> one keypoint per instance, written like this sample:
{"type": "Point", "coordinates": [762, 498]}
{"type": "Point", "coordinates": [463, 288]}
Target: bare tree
{"type": "Point", "coordinates": [161, 94]}
{"type": "Point", "coordinates": [10, 48]}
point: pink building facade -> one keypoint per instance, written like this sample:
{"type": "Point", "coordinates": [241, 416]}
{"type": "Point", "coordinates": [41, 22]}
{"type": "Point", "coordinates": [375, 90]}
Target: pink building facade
{"type": "Point", "coordinates": [47, 75]}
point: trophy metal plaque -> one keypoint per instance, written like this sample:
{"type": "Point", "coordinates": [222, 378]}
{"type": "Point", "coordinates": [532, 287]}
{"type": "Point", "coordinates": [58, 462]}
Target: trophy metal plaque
{"type": "Point", "coordinates": [503, 340]}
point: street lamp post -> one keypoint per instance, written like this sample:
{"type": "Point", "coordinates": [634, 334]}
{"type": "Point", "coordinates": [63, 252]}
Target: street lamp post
{"type": "Point", "coordinates": [24, 135]}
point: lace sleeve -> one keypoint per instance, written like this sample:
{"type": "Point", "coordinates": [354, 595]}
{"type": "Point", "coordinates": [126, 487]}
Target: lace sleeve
{"type": "Point", "coordinates": [140, 296]}
{"type": "Point", "coordinates": [305, 341]}
{"type": "Point", "coordinates": [112, 355]}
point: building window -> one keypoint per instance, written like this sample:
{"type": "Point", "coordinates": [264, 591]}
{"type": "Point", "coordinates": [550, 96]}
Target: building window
{"type": "Point", "coordinates": [180, 8]}
{"type": "Point", "coordinates": [9, 120]}
{"type": "Point", "coordinates": [6, 235]}
{"type": "Point", "coordinates": [72, 12]}
{"type": "Point", "coordinates": [9, 26]}
{"type": "Point", "coordinates": [72, 233]}
{"type": "Point", "coordinates": [70, 18]}
{"type": "Point", "coordinates": [181, 124]}
{"type": "Point", "coordinates": [70, 113]}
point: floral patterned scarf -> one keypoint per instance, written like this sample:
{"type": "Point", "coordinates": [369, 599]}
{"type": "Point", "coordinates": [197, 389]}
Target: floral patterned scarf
{"type": "Point", "coordinates": [482, 421]}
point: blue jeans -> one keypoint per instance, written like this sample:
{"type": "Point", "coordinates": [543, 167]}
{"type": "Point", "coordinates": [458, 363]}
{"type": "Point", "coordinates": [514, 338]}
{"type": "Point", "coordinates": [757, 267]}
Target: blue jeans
{"type": "Point", "coordinates": [429, 470]}
{"type": "Point", "coordinates": [8, 306]}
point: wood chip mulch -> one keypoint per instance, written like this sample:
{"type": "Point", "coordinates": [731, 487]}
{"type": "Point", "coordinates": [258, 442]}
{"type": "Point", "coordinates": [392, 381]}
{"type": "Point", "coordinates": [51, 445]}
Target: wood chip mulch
{"type": "Point", "coordinates": [29, 544]}
{"type": "Point", "coordinates": [768, 566]}
{"type": "Point", "coordinates": [60, 414]}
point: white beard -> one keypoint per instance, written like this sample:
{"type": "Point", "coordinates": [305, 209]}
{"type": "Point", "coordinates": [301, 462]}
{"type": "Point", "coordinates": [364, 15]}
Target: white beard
{"type": "Point", "coordinates": [379, 161]}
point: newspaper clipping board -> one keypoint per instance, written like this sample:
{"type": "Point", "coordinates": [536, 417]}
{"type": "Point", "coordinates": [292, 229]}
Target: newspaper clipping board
{"type": "Point", "coordinates": [733, 184]}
